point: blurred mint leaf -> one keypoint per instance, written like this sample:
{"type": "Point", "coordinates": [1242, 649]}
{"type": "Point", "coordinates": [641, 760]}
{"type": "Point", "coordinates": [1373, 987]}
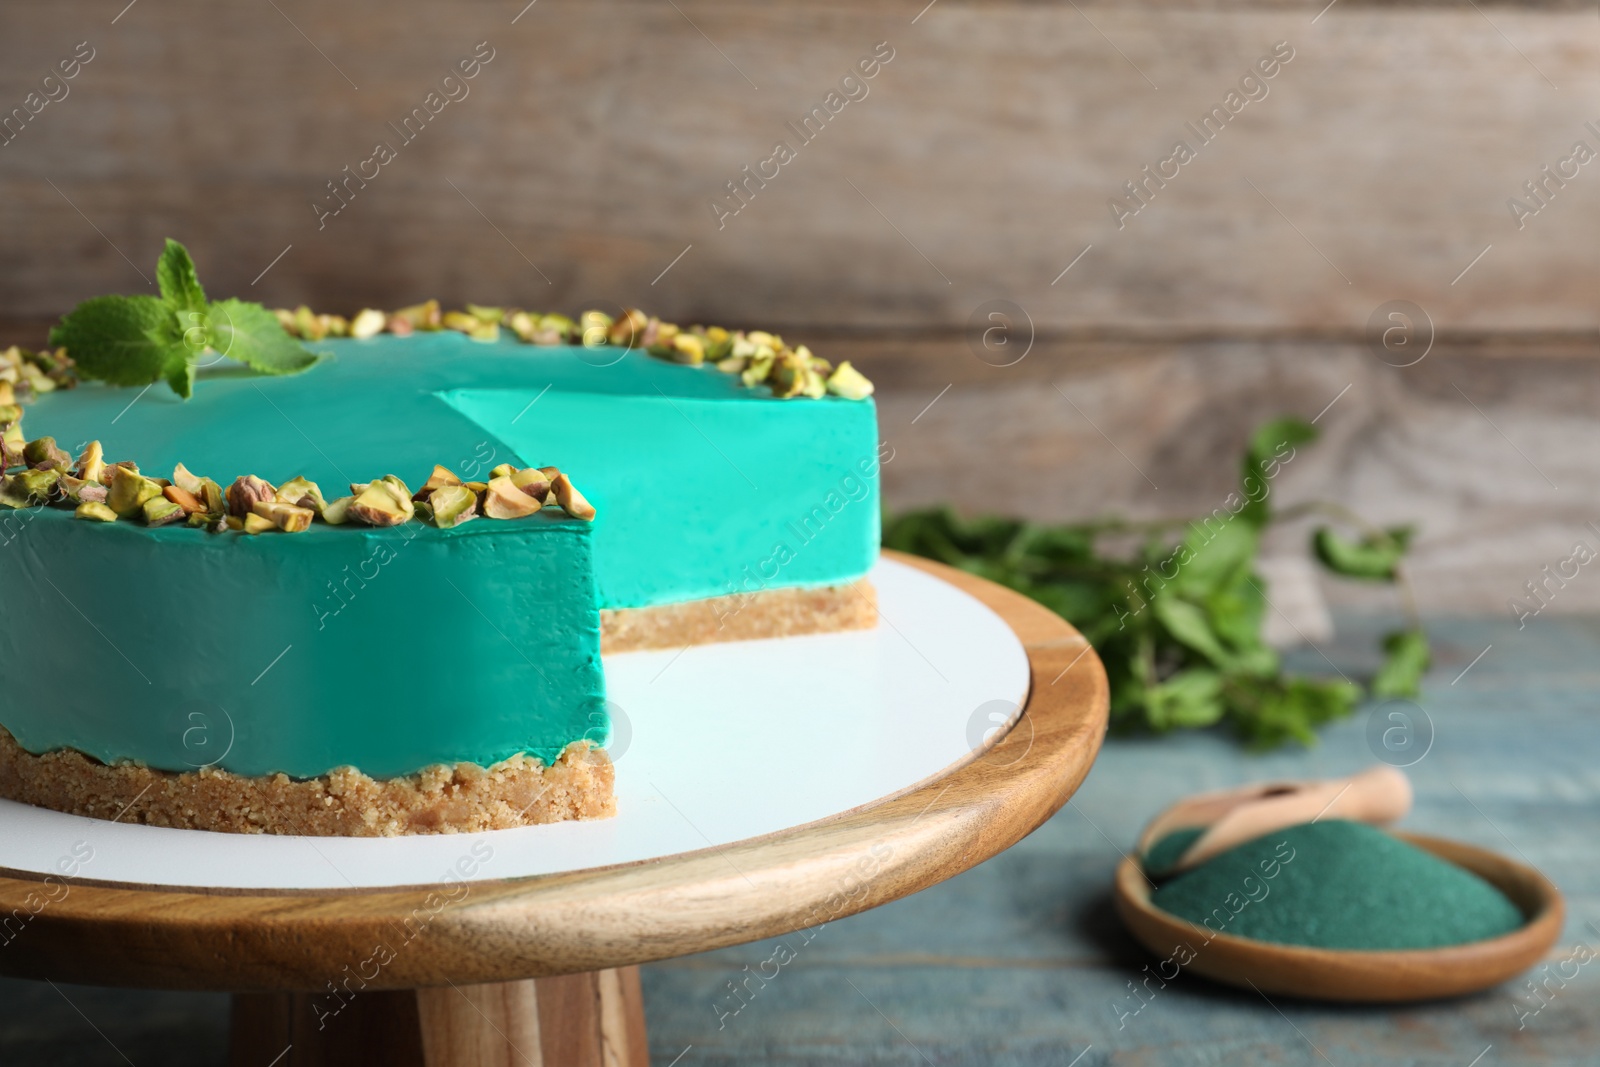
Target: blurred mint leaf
{"type": "Point", "coordinates": [1177, 620]}
{"type": "Point", "coordinates": [1406, 659]}
{"type": "Point", "coordinates": [1373, 558]}
{"type": "Point", "coordinates": [1270, 711]}
{"type": "Point", "coordinates": [1190, 698]}
{"type": "Point", "coordinates": [1189, 626]}
{"type": "Point", "coordinates": [1271, 446]}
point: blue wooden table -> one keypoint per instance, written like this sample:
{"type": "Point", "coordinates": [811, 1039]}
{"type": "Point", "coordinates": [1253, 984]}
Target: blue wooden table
{"type": "Point", "coordinates": [1020, 962]}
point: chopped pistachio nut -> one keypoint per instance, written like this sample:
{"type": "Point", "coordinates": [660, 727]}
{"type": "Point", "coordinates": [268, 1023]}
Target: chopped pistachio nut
{"type": "Point", "coordinates": [82, 491]}
{"type": "Point", "coordinates": [129, 492]}
{"type": "Point", "coordinates": [399, 327]}
{"type": "Point", "coordinates": [486, 314]}
{"type": "Point", "coordinates": [308, 325]}
{"type": "Point", "coordinates": [186, 500]}
{"type": "Point", "coordinates": [337, 513]}
{"type": "Point", "coordinates": [184, 479]}
{"type": "Point", "coordinates": [459, 321]}
{"type": "Point", "coordinates": [657, 337]}
{"type": "Point", "coordinates": [41, 382]}
{"type": "Point", "coordinates": [245, 491]}
{"type": "Point", "coordinates": [453, 505]}
{"type": "Point", "coordinates": [367, 323]}
{"type": "Point", "coordinates": [473, 326]}
{"type": "Point", "coordinates": [849, 383]}
{"type": "Point", "coordinates": [36, 486]}
{"type": "Point", "coordinates": [523, 325]}
{"type": "Point", "coordinates": [504, 470]}
{"type": "Point", "coordinates": [627, 330]}
{"type": "Point", "coordinates": [688, 349]}
{"type": "Point", "coordinates": [424, 316]}
{"type": "Point", "coordinates": [441, 476]}
{"type": "Point", "coordinates": [94, 512]}
{"type": "Point", "coordinates": [212, 496]}
{"type": "Point", "coordinates": [503, 500]}
{"type": "Point", "coordinates": [532, 481]}
{"type": "Point", "coordinates": [788, 376]}
{"type": "Point", "coordinates": [301, 492]}
{"type": "Point", "coordinates": [42, 453]}
{"type": "Point", "coordinates": [159, 511]}
{"type": "Point", "coordinates": [12, 495]}
{"type": "Point", "coordinates": [571, 501]}
{"type": "Point", "coordinates": [109, 474]}
{"type": "Point", "coordinates": [287, 517]}
{"type": "Point", "coordinates": [253, 524]}
{"type": "Point", "coordinates": [386, 502]}
{"type": "Point", "coordinates": [756, 373]}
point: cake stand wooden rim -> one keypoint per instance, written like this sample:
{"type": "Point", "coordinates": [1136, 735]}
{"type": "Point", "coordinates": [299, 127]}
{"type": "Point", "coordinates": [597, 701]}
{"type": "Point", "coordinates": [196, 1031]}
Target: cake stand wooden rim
{"type": "Point", "coordinates": [590, 920]}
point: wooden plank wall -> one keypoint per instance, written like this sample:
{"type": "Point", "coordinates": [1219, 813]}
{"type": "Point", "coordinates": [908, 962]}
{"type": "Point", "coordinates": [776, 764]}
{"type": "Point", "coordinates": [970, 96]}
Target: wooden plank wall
{"type": "Point", "coordinates": [980, 161]}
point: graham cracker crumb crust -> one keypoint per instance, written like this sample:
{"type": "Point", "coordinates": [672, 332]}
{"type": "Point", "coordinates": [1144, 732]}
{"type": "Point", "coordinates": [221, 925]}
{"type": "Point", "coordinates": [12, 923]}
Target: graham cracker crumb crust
{"type": "Point", "coordinates": [741, 617]}
{"type": "Point", "coordinates": [464, 798]}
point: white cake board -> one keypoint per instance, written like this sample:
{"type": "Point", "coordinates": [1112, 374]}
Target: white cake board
{"type": "Point", "coordinates": [714, 744]}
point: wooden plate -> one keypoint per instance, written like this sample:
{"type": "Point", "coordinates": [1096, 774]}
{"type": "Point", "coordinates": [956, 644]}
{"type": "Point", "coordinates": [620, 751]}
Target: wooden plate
{"type": "Point", "coordinates": [1360, 976]}
{"type": "Point", "coordinates": [503, 931]}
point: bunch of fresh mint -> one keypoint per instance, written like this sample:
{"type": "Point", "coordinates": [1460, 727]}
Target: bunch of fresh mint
{"type": "Point", "coordinates": [1178, 621]}
{"type": "Point", "coordinates": [137, 340]}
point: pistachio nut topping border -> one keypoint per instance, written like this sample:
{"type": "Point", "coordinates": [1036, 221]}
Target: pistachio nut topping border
{"type": "Point", "coordinates": [757, 357]}
{"type": "Point", "coordinates": [38, 473]}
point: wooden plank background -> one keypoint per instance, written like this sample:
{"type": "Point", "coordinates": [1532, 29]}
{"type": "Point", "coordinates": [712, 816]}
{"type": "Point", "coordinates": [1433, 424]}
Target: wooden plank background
{"type": "Point", "coordinates": [581, 167]}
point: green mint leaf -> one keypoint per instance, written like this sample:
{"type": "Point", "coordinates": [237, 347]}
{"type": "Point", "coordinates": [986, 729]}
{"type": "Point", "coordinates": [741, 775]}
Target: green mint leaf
{"type": "Point", "coordinates": [180, 375]}
{"type": "Point", "coordinates": [1271, 447]}
{"type": "Point", "coordinates": [1188, 625]}
{"type": "Point", "coordinates": [1373, 558]}
{"type": "Point", "coordinates": [252, 335]}
{"type": "Point", "coordinates": [1190, 698]}
{"type": "Point", "coordinates": [123, 340]}
{"type": "Point", "coordinates": [180, 287]}
{"type": "Point", "coordinates": [1266, 712]}
{"type": "Point", "coordinates": [1406, 660]}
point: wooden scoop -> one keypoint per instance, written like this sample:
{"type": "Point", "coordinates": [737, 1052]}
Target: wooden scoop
{"type": "Point", "coordinates": [1378, 795]}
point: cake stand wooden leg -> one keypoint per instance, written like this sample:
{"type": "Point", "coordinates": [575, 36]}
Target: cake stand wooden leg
{"type": "Point", "coordinates": [579, 1020]}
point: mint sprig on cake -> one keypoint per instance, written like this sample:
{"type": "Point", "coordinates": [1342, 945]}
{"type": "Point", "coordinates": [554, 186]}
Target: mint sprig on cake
{"type": "Point", "coordinates": [142, 339]}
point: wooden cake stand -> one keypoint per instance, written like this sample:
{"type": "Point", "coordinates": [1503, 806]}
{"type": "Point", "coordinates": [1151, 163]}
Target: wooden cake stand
{"type": "Point", "coordinates": [543, 970]}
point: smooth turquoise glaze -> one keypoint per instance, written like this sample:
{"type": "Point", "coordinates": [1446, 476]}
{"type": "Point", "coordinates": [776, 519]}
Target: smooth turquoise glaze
{"type": "Point", "coordinates": [411, 646]}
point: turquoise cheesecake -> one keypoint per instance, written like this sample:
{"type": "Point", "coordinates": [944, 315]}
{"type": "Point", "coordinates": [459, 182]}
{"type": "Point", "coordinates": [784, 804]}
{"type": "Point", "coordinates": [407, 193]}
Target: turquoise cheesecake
{"type": "Point", "coordinates": [248, 648]}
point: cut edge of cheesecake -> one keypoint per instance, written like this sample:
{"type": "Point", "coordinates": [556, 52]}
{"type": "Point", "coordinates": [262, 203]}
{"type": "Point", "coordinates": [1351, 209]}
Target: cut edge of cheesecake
{"type": "Point", "coordinates": [443, 799]}
{"type": "Point", "coordinates": [748, 616]}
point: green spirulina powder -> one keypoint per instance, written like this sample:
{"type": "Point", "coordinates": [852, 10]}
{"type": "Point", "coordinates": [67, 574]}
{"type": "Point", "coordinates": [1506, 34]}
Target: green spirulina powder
{"type": "Point", "coordinates": [1338, 884]}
